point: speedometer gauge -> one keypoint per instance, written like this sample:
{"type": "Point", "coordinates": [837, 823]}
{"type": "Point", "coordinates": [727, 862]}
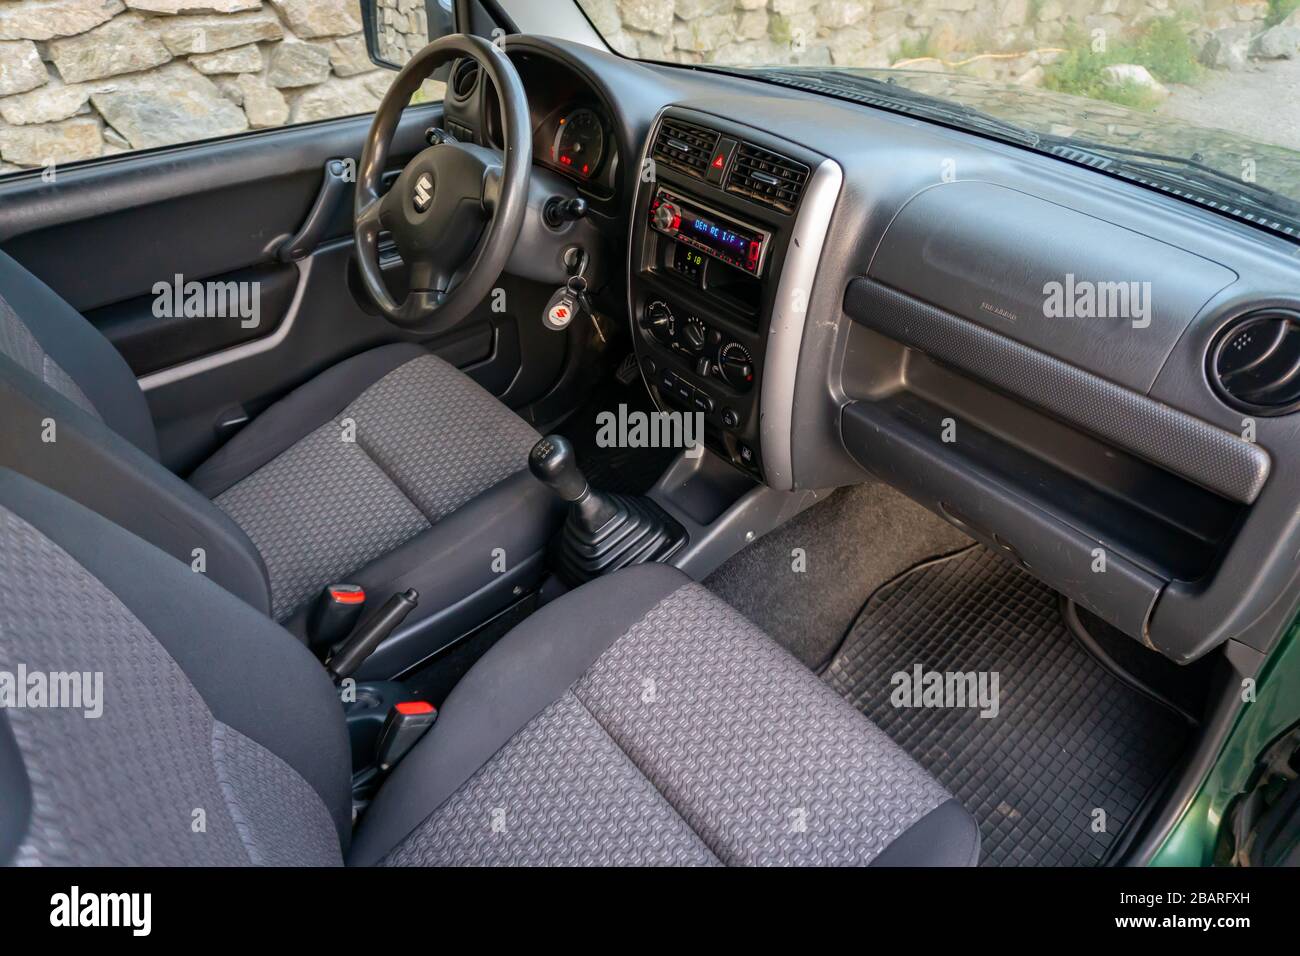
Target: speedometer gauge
{"type": "Point", "coordinates": [580, 142]}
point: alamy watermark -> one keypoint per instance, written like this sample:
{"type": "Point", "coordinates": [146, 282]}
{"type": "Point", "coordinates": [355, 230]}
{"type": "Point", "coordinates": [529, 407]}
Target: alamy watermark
{"type": "Point", "coordinates": [1084, 299]}
{"type": "Point", "coordinates": [133, 911]}
{"type": "Point", "coordinates": [637, 429]}
{"type": "Point", "coordinates": [22, 689]}
{"type": "Point", "coordinates": [957, 690]}
{"type": "Point", "coordinates": [209, 300]}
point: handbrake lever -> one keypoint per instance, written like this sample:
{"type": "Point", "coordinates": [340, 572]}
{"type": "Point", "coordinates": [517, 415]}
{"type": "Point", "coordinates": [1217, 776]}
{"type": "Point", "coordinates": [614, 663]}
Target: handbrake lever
{"type": "Point", "coordinates": [344, 662]}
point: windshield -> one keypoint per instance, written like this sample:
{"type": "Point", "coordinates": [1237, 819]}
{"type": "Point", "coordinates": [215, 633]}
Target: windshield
{"type": "Point", "coordinates": [1197, 97]}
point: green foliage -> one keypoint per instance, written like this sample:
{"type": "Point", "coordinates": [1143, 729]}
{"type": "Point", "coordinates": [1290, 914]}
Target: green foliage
{"type": "Point", "coordinates": [1279, 10]}
{"type": "Point", "coordinates": [1162, 46]}
{"type": "Point", "coordinates": [1165, 49]}
{"type": "Point", "coordinates": [916, 49]}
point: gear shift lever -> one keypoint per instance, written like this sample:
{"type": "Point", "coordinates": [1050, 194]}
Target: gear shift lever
{"type": "Point", "coordinates": [603, 532]}
{"type": "Point", "coordinates": [554, 463]}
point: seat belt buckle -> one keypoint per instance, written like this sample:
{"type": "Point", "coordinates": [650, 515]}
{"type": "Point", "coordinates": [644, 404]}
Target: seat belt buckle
{"type": "Point", "coordinates": [335, 614]}
{"type": "Point", "coordinates": [407, 722]}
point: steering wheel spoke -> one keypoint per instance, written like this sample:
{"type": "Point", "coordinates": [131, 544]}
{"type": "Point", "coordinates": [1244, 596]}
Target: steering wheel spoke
{"type": "Point", "coordinates": [373, 217]}
{"type": "Point", "coordinates": [429, 276]}
{"type": "Point", "coordinates": [491, 196]}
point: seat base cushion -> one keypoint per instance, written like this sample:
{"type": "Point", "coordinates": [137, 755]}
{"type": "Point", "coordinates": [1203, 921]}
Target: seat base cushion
{"type": "Point", "coordinates": [372, 454]}
{"type": "Point", "coordinates": [642, 720]}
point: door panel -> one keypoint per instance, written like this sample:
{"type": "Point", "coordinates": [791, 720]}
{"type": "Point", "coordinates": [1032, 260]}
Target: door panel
{"type": "Point", "coordinates": [104, 236]}
{"type": "Point", "coordinates": [150, 341]}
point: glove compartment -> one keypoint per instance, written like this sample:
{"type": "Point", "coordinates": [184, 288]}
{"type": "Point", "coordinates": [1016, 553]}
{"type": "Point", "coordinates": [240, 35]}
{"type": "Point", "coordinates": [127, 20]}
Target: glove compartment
{"type": "Point", "coordinates": [1030, 425]}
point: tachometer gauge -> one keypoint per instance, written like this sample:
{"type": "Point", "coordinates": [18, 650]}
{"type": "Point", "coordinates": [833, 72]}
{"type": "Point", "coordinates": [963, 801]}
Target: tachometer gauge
{"type": "Point", "coordinates": [580, 142]}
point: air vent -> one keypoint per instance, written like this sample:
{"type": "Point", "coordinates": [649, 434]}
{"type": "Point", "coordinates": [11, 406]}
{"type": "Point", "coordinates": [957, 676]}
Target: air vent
{"type": "Point", "coordinates": [767, 177]}
{"type": "Point", "coordinates": [1255, 364]}
{"type": "Point", "coordinates": [685, 146]}
{"type": "Point", "coordinates": [464, 76]}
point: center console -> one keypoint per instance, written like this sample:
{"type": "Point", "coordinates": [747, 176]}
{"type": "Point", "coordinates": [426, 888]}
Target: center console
{"type": "Point", "coordinates": [711, 234]}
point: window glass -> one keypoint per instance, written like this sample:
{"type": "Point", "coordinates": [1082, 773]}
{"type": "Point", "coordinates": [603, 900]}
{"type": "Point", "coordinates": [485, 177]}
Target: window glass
{"type": "Point", "coordinates": [1205, 91]}
{"type": "Point", "coordinates": [81, 79]}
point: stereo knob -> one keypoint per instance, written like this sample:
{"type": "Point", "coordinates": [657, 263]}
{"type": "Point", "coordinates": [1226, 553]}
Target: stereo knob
{"type": "Point", "coordinates": [736, 366]}
{"type": "Point", "coordinates": [668, 217]}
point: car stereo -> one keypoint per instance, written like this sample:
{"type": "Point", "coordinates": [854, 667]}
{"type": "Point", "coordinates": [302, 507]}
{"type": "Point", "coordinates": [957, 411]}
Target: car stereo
{"type": "Point", "coordinates": [701, 228]}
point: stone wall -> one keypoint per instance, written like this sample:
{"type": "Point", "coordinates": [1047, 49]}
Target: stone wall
{"type": "Point", "coordinates": [995, 39]}
{"type": "Point", "coordinates": [86, 78]}
{"type": "Point", "coordinates": [403, 29]}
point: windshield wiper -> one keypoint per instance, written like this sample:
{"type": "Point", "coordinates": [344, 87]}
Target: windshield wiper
{"type": "Point", "coordinates": [1191, 171]}
{"type": "Point", "coordinates": [1191, 180]}
{"type": "Point", "coordinates": [889, 95]}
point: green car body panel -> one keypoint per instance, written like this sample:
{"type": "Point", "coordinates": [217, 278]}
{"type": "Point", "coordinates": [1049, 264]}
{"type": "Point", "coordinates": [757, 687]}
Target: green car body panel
{"type": "Point", "coordinates": [1274, 711]}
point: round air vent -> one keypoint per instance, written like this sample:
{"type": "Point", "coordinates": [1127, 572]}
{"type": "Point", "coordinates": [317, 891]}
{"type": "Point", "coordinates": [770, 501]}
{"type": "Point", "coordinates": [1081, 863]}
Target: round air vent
{"type": "Point", "coordinates": [1255, 363]}
{"type": "Point", "coordinates": [464, 75]}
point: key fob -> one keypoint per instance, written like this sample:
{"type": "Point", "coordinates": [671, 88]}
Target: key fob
{"type": "Point", "coordinates": [560, 310]}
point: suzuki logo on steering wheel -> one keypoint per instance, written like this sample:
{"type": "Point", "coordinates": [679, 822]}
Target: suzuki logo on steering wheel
{"type": "Point", "coordinates": [423, 192]}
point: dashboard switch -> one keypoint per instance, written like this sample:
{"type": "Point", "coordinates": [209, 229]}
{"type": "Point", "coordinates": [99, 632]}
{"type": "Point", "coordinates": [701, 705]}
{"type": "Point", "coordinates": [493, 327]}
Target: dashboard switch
{"type": "Point", "coordinates": [721, 159]}
{"type": "Point", "coordinates": [730, 417]}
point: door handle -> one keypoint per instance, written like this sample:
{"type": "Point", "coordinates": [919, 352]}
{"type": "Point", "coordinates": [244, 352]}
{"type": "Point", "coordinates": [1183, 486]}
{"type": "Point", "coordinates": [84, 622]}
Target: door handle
{"type": "Point", "coordinates": [314, 227]}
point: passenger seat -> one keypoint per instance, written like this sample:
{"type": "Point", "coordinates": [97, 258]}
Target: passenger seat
{"type": "Point", "coordinates": [638, 720]}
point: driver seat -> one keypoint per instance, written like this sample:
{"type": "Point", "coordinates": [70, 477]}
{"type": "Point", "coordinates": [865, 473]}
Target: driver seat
{"type": "Point", "coordinates": [391, 470]}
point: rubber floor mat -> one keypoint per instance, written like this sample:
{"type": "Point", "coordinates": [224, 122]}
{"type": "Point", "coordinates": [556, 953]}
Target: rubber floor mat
{"type": "Point", "coordinates": [1069, 739]}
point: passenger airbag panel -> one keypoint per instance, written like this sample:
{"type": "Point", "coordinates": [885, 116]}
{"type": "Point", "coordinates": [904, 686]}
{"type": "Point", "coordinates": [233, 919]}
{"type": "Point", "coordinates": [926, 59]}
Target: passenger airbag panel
{"type": "Point", "coordinates": [1087, 291]}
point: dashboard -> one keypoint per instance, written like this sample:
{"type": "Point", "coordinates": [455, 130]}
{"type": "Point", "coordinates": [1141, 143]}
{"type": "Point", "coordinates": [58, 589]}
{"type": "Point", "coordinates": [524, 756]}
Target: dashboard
{"type": "Point", "coordinates": [848, 294]}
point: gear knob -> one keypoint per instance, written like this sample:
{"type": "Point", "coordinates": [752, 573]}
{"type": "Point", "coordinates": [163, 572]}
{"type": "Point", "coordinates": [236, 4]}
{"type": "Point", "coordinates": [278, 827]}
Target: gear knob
{"type": "Point", "coordinates": [554, 463]}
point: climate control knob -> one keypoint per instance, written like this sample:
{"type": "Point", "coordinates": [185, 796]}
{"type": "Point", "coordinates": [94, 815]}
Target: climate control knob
{"type": "Point", "coordinates": [693, 335]}
{"type": "Point", "coordinates": [736, 366]}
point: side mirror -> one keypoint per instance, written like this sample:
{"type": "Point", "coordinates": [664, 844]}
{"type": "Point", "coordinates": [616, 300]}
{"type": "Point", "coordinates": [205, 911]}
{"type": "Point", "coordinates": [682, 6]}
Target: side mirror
{"type": "Point", "coordinates": [398, 29]}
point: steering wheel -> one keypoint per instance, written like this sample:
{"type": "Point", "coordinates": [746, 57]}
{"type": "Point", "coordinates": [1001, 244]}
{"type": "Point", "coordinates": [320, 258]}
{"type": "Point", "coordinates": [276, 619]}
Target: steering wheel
{"type": "Point", "coordinates": [456, 210]}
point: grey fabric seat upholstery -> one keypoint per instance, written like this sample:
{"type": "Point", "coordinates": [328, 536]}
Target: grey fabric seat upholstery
{"type": "Point", "coordinates": [369, 457]}
{"type": "Point", "coordinates": [392, 469]}
{"type": "Point", "coordinates": [675, 731]}
{"type": "Point", "coordinates": [638, 720]}
{"type": "Point", "coordinates": [220, 739]}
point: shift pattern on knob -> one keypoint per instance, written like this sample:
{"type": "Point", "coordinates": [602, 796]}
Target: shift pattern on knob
{"type": "Point", "coordinates": [554, 463]}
